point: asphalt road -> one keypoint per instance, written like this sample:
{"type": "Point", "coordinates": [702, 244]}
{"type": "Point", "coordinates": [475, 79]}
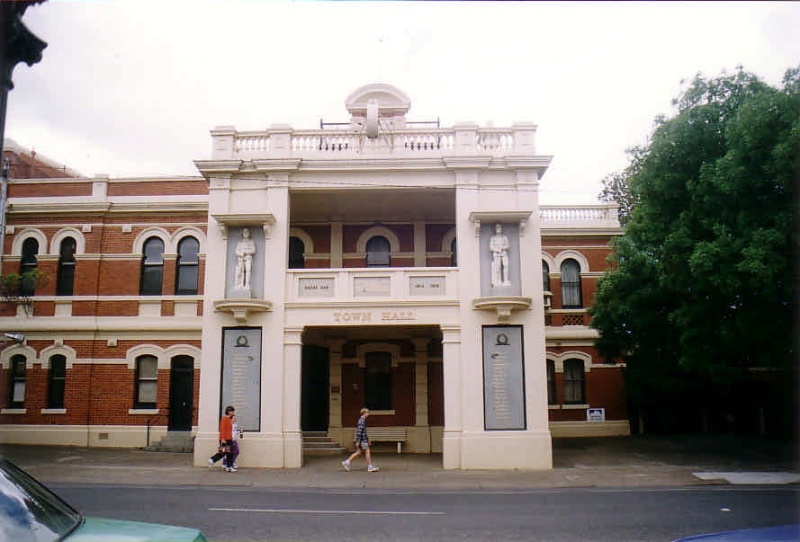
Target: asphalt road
{"type": "Point", "coordinates": [568, 514]}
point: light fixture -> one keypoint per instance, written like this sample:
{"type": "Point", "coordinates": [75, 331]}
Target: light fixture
{"type": "Point", "coordinates": [18, 338]}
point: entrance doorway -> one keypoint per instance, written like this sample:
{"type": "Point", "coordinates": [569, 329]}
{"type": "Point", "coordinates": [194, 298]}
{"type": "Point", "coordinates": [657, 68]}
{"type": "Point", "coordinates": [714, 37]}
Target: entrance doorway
{"type": "Point", "coordinates": [315, 382]}
{"type": "Point", "coordinates": [181, 388]}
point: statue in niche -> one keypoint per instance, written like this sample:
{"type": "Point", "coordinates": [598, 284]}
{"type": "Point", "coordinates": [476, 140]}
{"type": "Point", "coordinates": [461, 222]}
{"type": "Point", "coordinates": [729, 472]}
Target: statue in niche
{"type": "Point", "coordinates": [245, 249]}
{"type": "Point", "coordinates": [498, 244]}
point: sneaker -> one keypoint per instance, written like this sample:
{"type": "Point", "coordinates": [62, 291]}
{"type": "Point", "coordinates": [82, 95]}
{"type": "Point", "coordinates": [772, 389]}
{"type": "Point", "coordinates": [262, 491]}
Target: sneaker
{"type": "Point", "coordinates": [230, 469]}
{"type": "Point", "coordinates": [210, 462]}
{"type": "Point", "coordinates": [373, 468]}
{"type": "Point", "coordinates": [346, 465]}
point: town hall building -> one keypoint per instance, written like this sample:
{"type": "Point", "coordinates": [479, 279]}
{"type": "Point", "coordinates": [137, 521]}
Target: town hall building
{"type": "Point", "coordinates": [304, 274]}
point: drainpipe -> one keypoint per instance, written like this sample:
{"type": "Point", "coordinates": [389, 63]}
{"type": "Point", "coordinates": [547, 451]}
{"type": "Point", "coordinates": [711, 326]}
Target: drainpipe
{"type": "Point", "coordinates": [3, 201]}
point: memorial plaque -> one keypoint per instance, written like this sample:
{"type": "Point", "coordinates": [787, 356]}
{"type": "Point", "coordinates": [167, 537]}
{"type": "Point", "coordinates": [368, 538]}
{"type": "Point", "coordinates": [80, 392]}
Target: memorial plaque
{"type": "Point", "coordinates": [372, 286]}
{"type": "Point", "coordinates": [503, 378]}
{"type": "Point", "coordinates": [241, 375]}
{"type": "Point", "coordinates": [319, 287]}
{"type": "Point", "coordinates": [426, 285]}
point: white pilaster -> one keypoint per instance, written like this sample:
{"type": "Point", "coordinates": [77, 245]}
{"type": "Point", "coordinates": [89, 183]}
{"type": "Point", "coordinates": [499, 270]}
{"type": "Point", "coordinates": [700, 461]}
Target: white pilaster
{"type": "Point", "coordinates": [335, 399]}
{"type": "Point", "coordinates": [292, 385]}
{"type": "Point", "coordinates": [453, 398]}
{"type": "Point", "coordinates": [336, 244]}
{"type": "Point", "coordinates": [419, 244]}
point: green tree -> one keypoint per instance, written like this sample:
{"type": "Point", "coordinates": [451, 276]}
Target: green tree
{"type": "Point", "coordinates": [704, 281]}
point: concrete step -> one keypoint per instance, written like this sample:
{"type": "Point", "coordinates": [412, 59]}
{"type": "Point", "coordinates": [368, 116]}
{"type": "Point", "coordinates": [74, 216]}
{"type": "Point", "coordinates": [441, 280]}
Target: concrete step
{"type": "Point", "coordinates": [318, 443]}
{"type": "Point", "coordinates": [173, 441]}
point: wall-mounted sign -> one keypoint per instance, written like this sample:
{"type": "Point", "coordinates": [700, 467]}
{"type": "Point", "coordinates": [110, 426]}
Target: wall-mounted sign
{"type": "Point", "coordinates": [503, 378]}
{"type": "Point", "coordinates": [595, 414]}
{"type": "Point", "coordinates": [426, 285]}
{"type": "Point", "coordinates": [319, 287]}
{"type": "Point", "coordinates": [241, 375]}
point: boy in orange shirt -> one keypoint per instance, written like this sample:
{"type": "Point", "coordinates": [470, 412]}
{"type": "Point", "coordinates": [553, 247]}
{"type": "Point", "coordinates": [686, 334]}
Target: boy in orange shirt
{"type": "Point", "coordinates": [225, 440]}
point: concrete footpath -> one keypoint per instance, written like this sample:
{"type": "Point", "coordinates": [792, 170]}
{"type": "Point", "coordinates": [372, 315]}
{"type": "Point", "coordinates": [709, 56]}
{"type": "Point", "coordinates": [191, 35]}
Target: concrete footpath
{"type": "Point", "coordinates": [617, 462]}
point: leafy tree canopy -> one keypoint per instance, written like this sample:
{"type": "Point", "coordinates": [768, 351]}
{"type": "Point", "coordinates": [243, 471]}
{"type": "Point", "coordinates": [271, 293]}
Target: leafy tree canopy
{"type": "Point", "coordinates": [704, 280]}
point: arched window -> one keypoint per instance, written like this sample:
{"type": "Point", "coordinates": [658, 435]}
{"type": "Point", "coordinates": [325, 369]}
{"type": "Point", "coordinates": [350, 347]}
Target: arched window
{"type": "Point", "coordinates": [573, 382]}
{"type": "Point", "coordinates": [56, 380]}
{"type": "Point", "coordinates": [187, 267]}
{"type": "Point", "coordinates": [453, 253]}
{"type": "Point", "coordinates": [152, 267]}
{"type": "Point", "coordinates": [28, 264]}
{"type": "Point", "coordinates": [571, 285]}
{"type": "Point", "coordinates": [16, 385]}
{"type": "Point", "coordinates": [551, 381]}
{"type": "Point", "coordinates": [545, 276]}
{"type": "Point", "coordinates": [66, 267]}
{"type": "Point", "coordinates": [296, 250]}
{"type": "Point", "coordinates": [379, 252]}
{"type": "Point", "coordinates": [146, 382]}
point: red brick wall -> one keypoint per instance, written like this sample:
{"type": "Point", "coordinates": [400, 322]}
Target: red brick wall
{"type": "Point", "coordinates": [161, 187]}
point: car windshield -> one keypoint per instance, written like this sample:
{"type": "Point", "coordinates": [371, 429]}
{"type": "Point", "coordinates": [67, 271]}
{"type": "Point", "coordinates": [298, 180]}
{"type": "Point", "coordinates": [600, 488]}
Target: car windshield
{"type": "Point", "coordinates": [31, 512]}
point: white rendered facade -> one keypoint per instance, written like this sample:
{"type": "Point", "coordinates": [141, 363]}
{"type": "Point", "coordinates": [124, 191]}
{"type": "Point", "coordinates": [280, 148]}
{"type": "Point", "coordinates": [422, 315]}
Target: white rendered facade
{"type": "Point", "coordinates": [378, 176]}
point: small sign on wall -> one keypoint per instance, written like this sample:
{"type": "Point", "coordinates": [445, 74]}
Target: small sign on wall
{"type": "Point", "coordinates": [595, 414]}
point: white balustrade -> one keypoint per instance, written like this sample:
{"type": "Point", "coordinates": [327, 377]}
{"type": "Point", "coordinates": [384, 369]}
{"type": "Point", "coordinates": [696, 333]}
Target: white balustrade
{"type": "Point", "coordinates": [574, 215]}
{"type": "Point", "coordinates": [353, 142]}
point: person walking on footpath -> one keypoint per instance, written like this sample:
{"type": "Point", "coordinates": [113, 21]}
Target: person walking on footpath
{"type": "Point", "coordinates": [236, 434]}
{"type": "Point", "coordinates": [225, 440]}
{"type": "Point", "coordinates": [362, 444]}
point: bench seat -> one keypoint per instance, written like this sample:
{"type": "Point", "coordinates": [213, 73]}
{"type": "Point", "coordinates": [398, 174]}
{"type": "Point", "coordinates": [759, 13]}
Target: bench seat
{"type": "Point", "coordinates": [388, 434]}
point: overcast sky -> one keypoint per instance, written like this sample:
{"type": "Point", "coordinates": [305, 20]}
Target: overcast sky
{"type": "Point", "coordinates": [132, 87]}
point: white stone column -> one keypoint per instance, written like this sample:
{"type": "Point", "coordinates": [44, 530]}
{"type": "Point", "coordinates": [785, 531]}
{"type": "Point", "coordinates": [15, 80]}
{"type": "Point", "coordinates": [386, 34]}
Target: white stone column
{"type": "Point", "coordinates": [335, 399]}
{"type": "Point", "coordinates": [336, 244]}
{"type": "Point", "coordinates": [420, 250]}
{"type": "Point", "coordinates": [453, 398]}
{"type": "Point", "coordinates": [292, 385]}
{"type": "Point", "coordinates": [421, 379]}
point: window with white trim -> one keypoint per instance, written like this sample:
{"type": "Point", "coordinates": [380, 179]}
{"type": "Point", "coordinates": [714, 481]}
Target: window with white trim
{"type": "Point", "coordinates": [16, 385]}
{"type": "Point", "coordinates": [146, 382]}
{"type": "Point", "coordinates": [571, 297]}
{"type": "Point", "coordinates": [65, 281]}
{"type": "Point", "coordinates": [187, 267]}
{"type": "Point", "coordinates": [152, 267]}
{"type": "Point", "coordinates": [27, 265]}
{"type": "Point", "coordinates": [551, 382]}
{"type": "Point", "coordinates": [56, 381]}
{"type": "Point", "coordinates": [574, 382]}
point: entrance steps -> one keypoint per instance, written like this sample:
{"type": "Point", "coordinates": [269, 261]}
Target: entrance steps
{"type": "Point", "coordinates": [319, 443]}
{"type": "Point", "coordinates": [173, 441]}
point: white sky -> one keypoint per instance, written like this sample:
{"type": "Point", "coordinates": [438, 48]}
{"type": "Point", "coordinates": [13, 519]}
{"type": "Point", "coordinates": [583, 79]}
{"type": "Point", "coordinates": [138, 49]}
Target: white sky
{"type": "Point", "coordinates": [132, 87]}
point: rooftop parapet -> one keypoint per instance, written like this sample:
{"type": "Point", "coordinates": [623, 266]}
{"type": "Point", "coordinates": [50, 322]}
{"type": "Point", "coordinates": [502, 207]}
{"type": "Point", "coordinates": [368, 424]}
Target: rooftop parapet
{"type": "Point", "coordinates": [579, 216]}
{"type": "Point", "coordinates": [282, 141]}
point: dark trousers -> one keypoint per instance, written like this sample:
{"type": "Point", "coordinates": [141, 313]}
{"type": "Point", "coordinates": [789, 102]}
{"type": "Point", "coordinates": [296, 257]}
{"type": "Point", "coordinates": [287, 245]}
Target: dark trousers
{"type": "Point", "coordinates": [231, 460]}
{"type": "Point", "coordinates": [227, 455]}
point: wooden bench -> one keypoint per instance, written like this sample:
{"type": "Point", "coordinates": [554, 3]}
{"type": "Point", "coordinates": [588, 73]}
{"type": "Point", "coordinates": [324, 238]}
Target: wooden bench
{"type": "Point", "coordinates": [388, 434]}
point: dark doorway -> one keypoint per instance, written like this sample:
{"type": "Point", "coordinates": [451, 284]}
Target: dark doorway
{"type": "Point", "coordinates": [314, 393]}
{"type": "Point", "coordinates": [181, 391]}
